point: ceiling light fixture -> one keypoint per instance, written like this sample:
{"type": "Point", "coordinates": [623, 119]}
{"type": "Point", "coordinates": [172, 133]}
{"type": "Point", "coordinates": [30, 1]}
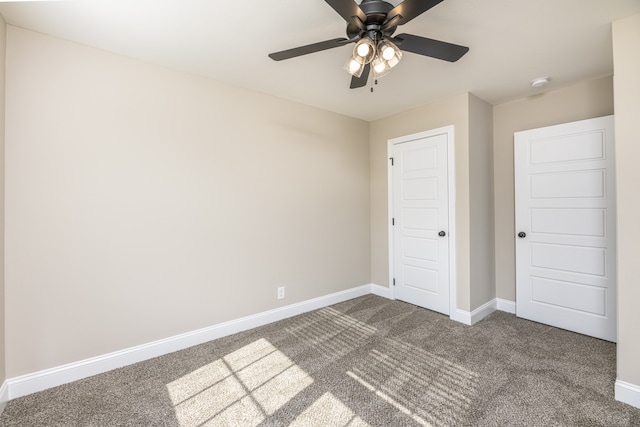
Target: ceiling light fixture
{"type": "Point", "coordinates": [540, 81]}
{"type": "Point", "coordinates": [382, 55]}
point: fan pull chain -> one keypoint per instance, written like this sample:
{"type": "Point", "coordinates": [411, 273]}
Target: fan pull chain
{"type": "Point", "coordinates": [372, 77]}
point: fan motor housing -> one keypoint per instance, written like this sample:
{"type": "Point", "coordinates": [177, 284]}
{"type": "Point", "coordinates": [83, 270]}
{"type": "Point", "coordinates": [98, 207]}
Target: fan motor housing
{"type": "Point", "coordinates": [376, 11]}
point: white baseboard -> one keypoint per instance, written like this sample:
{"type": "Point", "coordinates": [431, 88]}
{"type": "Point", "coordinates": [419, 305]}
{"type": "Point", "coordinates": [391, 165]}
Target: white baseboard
{"type": "Point", "coordinates": [506, 305]}
{"type": "Point", "coordinates": [42, 380]}
{"type": "Point", "coordinates": [483, 311]}
{"type": "Point", "coordinates": [381, 291]}
{"type": "Point", "coordinates": [461, 316]}
{"type": "Point", "coordinates": [628, 393]}
{"type": "Point", "coordinates": [4, 396]}
{"type": "Point", "coordinates": [473, 317]}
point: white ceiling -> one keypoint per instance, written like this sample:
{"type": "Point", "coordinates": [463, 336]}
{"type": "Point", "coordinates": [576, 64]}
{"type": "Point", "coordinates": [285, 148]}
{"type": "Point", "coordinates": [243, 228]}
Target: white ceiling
{"type": "Point", "coordinates": [511, 42]}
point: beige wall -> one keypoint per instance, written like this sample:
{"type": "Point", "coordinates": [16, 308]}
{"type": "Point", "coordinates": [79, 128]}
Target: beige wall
{"type": "Point", "coordinates": [583, 100]}
{"type": "Point", "coordinates": [626, 54]}
{"type": "Point", "coordinates": [3, 31]}
{"type": "Point", "coordinates": [144, 202]}
{"type": "Point", "coordinates": [482, 272]}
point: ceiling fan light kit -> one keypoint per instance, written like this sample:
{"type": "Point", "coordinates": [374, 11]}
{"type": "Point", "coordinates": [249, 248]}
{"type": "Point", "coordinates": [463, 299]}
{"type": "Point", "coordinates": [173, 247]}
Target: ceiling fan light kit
{"type": "Point", "coordinates": [382, 56]}
{"type": "Point", "coordinates": [370, 25]}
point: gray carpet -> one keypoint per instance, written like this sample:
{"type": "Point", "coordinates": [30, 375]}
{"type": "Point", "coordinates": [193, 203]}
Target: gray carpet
{"type": "Point", "coordinates": [365, 362]}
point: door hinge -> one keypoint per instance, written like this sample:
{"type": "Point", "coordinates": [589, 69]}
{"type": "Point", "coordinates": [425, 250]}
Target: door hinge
{"type": "Point", "coordinates": [394, 281]}
{"type": "Point", "coordinates": [393, 221]}
{"type": "Point", "coordinates": [391, 158]}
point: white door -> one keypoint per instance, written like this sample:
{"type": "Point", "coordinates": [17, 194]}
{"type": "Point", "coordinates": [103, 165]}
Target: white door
{"type": "Point", "coordinates": [565, 226]}
{"type": "Point", "coordinates": [420, 247]}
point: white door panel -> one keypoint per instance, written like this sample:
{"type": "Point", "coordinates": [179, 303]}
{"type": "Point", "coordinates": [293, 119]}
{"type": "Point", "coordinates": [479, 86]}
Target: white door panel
{"type": "Point", "coordinates": [571, 295]}
{"type": "Point", "coordinates": [420, 256]}
{"type": "Point", "coordinates": [572, 147]}
{"type": "Point", "coordinates": [568, 258]}
{"type": "Point", "coordinates": [574, 221]}
{"type": "Point", "coordinates": [419, 188]}
{"type": "Point", "coordinates": [565, 206]}
{"type": "Point", "coordinates": [420, 219]}
{"type": "Point", "coordinates": [568, 185]}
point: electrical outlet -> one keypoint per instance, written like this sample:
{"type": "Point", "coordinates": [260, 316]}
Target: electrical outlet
{"type": "Point", "coordinates": [281, 292]}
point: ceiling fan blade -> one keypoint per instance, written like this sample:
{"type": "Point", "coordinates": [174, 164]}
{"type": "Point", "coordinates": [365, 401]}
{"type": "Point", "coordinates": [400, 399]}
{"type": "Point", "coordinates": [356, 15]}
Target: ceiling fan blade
{"type": "Point", "coordinates": [361, 81]}
{"type": "Point", "coordinates": [347, 9]}
{"type": "Point", "coordinates": [429, 47]}
{"type": "Point", "coordinates": [409, 9]}
{"type": "Point", "coordinates": [389, 27]}
{"type": "Point", "coordinates": [310, 48]}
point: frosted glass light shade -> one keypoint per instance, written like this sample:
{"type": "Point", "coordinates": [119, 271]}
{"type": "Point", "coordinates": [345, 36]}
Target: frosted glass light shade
{"type": "Point", "coordinates": [364, 50]}
{"type": "Point", "coordinates": [378, 65]}
{"type": "Point", "coordinates": [390, 53]}
{"type": "Point", "coordinates": [354, 67]}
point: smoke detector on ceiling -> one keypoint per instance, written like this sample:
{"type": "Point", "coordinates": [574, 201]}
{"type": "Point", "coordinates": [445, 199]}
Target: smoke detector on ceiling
{"type": "Point", "coordinates": [540, 81]}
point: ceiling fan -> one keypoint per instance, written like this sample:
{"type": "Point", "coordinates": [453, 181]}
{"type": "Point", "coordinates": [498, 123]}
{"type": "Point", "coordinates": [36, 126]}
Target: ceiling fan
{"type": "Point", "coordinates": [370, 25]}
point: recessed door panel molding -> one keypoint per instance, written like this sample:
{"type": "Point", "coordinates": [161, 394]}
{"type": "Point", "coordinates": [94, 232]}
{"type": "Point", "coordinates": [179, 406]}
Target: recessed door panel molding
{"type": "Point", "coordinates": [420, 188]}
{"type": "Point", "coordinates": [419, 184]}
{"type": "Point", "coordinates": [422, 159]}
{"type": "Point", "coordinates": [565, 226]}
{"type": "Point", "coordinates": [574, 222]}
{"type": "Point", "coordinates": [568, 185]}
{"type": "Point", "coordinates": [568, 148]}
{"type": "Point", "coordinates": [421, 279]}
{"type": "Point", "coordinates": [420, 249]}
{"type": "Point", "coordinates": [425, 219]}
{"type": "Point", "coordinates": [573, 296]}
{"type": "Point", "coordinates": [574, 259]}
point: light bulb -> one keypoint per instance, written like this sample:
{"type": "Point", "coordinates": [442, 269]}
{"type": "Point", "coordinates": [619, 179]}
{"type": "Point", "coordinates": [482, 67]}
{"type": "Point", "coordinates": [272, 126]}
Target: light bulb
{"type": "Point", "coordinates": [363, 49]}
{"type": "Point", "coordinates": [379, 67]}
{"type": "Point", "coordinates": [354, 67]}
{"type": "Point", "coordinates": [388, 53]}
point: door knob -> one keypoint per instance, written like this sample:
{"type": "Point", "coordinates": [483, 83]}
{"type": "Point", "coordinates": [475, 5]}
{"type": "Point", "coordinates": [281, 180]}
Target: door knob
{"type": "Point", "coordinates": [522, 234]}
{"type": "Point", "coordinates": [442, 234]}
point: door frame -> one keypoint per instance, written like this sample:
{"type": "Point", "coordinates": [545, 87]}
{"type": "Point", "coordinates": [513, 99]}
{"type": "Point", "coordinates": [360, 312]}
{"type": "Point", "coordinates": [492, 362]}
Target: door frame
{"type": "Point", "coordinates": [451, 185]}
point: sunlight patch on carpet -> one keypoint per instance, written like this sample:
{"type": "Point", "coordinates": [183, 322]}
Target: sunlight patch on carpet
{"type": "Point", "coordinates": [329, 411]}
{"type": "Point", "coordinates": [242, 388]}
{"type": "Point", "coordinates": [332, 332]}
{"type": "Point", "coordinates": [428, 388]}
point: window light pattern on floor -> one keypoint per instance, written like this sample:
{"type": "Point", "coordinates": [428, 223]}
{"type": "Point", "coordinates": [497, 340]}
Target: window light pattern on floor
{"type": "Point", "coordinates": [332, 332]}
{"type": "Point", "coordinates": [332, 411]}
{"type": "Point", "coordinates": [430, 389]}
{"type": "Point", "coordinates": [249, 385]}
{"type": "Point", "coordinates": [242, 388]}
